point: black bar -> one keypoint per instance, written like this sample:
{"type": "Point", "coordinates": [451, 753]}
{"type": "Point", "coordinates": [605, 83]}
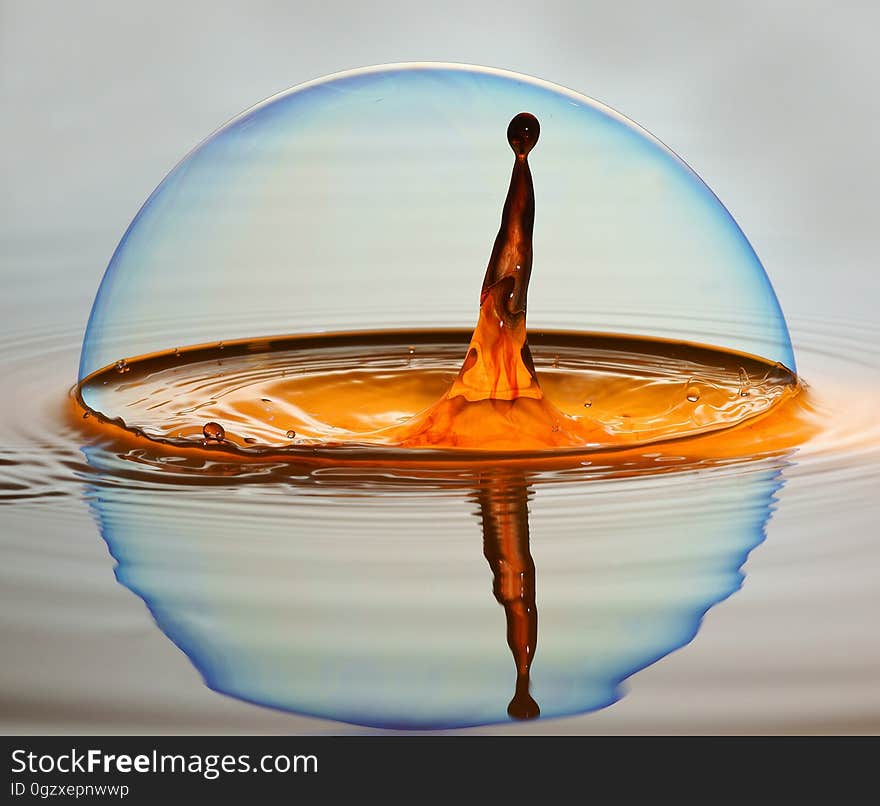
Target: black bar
{"type": "Point", "coordinates": [410, 768]}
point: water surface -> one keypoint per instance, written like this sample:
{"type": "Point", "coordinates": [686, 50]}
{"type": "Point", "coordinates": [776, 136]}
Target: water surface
{"type": "Point", "coordinates": [126, 593]}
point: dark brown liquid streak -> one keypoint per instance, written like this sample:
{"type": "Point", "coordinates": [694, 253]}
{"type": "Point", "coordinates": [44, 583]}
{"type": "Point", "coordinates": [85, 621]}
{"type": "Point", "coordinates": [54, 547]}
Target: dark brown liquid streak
{"type": "Point", "coordinates": [510, 264]}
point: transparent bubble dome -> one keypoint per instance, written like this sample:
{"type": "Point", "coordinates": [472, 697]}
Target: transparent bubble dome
{"type": "Point", "coordinates": [369, 200]}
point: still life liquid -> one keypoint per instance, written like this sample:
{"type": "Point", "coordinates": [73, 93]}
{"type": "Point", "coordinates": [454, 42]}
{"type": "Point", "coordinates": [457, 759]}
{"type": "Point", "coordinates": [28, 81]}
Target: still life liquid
{"type": "Point", "coordinates": [368, 490]}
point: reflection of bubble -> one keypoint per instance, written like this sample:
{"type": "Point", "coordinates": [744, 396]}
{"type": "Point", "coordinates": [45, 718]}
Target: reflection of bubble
{"type": "Point", "coordinates": [364, 201]}
{"type": "Point", "coordinates": [364, 597]}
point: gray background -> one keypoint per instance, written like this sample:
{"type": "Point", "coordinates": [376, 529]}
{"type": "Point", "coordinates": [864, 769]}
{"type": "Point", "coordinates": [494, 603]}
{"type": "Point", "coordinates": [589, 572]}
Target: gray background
{"type": "Point", "coordinates": [775, 105]}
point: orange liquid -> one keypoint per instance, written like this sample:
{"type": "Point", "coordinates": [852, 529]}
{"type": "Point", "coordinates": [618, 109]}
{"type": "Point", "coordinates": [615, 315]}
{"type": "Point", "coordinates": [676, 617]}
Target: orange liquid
{"type": "Point", "coordinates": [369, 396]}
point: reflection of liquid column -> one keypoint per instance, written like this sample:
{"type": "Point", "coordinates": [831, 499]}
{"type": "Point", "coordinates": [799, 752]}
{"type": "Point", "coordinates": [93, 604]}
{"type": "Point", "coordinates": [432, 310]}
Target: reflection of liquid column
{"type": "Point", "coordinates": [505, 515]}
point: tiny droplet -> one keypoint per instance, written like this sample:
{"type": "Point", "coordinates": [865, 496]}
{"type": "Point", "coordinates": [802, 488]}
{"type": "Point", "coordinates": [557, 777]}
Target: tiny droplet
{"type": "Point", "coordinates": [693, 394]}
{"type": "Point", "coordinates": [291, 434]}
{"type": "Point", "coordinates": [214, 432]}
{"type": "Point", "coordinates": [588, 403]}
{"type": "Point", "coordinates": [122, 366]}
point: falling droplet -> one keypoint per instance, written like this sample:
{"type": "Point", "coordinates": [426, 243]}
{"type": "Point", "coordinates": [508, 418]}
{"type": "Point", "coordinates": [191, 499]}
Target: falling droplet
{"type": "Point", "coordinates": [411, 350]}
{"type": "Point", "coordinates": [291, 434]}
{"type": "Point", "coordinates": [523, 133]}
{"type": "Point", "coordinates": [122, 366]}
{"type": "Point", "coordinates": [214, 432]}
{"type": "Point", "coordinates": [743, 382]}
{"type": "Point", "coordinates": [693, 394]}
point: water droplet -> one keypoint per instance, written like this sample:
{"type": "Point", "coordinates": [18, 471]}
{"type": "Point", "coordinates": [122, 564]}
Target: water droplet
{"type": "Point", "coordinates": [122, 366]}
{"type": "Point", "coordinates": [291, 434]}
{"type": "Point", "coordinates": [743, 382]}
{"type": "Point", "coordinates": [411, 350]}
{"type": "Point", "coordinates": [588, 403]}
{"type": "Point", "coordinates": [214, 432]}
{"type": "Point", "coordinates": [693, 394]}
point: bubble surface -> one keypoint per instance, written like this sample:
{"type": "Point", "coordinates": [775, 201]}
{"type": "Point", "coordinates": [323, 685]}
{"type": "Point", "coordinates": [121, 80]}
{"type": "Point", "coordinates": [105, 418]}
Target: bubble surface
{"type": "Point", "coordinates": [277, 223]}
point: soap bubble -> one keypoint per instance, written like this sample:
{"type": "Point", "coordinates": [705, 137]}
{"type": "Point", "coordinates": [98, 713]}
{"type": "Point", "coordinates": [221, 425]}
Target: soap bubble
{"type": "Point", "coordinates": [365, 201]}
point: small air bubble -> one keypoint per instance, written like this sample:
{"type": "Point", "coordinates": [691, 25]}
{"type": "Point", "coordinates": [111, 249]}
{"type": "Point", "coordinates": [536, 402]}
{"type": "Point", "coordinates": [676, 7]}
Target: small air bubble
{"type": "Point", "coordinates": [214, 432]}
{"type": "Point", "coordinates": [291, 434]}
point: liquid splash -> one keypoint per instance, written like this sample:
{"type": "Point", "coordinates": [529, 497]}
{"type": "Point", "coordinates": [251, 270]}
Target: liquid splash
{"type": "Point", "coordinates": [497, 401]}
